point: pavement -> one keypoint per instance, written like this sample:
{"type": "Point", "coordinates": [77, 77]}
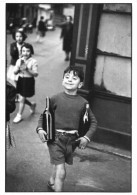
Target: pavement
{"type": "Point", "coordinates": [98, 168]}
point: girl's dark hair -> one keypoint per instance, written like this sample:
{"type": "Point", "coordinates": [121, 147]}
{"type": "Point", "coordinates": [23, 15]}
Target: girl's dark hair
{"type": "Point", "coordinates": [28, 46]}
{"type": "Point", "coordinates": [76, 71]}
{"type": "Point", "coordinates": [20, 31]}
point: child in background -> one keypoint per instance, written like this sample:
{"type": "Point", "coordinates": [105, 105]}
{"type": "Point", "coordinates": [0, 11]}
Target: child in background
{"type": "Point", "coordinates": [68, 108]}
{"type": "Point", "coordinates": [27, 68]}
{"type": "Point", "coordinates": [15, 52]}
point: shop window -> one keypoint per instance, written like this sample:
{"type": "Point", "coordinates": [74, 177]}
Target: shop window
{"type": "Point", "coordinates": [113, 59]}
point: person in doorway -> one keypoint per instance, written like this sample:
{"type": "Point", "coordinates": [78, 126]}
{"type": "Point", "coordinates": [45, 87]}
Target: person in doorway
{"type": "Point", "coordinates": [66, 35]}
{"type": "Point", "coordinates": [10, 107]}
{"type": "Point", "coordinates": [41, 30]}
{"type": "Point", "coordinates": [68, 108]}
{"type": "Point", "coordinates": [27, 68]}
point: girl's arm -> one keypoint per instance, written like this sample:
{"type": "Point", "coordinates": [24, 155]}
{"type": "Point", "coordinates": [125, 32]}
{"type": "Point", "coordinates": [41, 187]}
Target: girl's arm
{"type": "Point", "coordinates": [34, 69]}
{"type": "Point", "coordinates": [17, 67]}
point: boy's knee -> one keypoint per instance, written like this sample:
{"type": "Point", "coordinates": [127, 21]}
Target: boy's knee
{"type": "Point", "coordinates": [61, 176]}
{"type": "Point", "coordinates": [61, 173]}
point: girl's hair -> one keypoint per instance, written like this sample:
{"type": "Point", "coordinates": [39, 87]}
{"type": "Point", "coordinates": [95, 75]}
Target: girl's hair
{"type": "Point", "coordinates": [77, 71]}
{"type": "Point", "coordinates": [28, 46]}
{"type": "Point", "coordinates": [20, 31]}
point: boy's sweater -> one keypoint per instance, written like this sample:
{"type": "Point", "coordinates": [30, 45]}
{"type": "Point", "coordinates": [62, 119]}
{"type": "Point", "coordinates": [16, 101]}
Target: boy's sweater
{"type": "Point", "coordinates": [68, 110]}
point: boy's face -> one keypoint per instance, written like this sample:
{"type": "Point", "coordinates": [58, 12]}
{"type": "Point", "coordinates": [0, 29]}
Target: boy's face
{"type": "Point", "coordinates": [71, 82]}
{"type": "Point", "coordinates": [26, 53]}
{"type": "Point", "coordinates": [19, 37]}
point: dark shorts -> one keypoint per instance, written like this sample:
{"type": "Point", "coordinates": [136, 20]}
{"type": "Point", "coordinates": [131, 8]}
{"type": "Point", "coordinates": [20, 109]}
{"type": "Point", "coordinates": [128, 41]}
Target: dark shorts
{"type": "Point", "coordinates": [61, 150]}
{"type": "Point", "coordinates": [26, 86]}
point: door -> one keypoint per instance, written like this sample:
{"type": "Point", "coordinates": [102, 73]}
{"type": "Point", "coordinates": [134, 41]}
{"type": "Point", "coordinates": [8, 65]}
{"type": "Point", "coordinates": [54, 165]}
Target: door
{"type": "Point", "coordinates": [86, 22]}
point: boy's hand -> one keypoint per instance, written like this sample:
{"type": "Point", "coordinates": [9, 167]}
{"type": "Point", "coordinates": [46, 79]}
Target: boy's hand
{"type": "Point", "coordinates": [83, 142]}
{"type": "Point", "coordinates": [42, 135]}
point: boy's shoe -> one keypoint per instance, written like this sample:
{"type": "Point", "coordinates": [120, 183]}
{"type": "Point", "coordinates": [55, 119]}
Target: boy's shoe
{"type": "Point", "coordinates": [18, 118]}
{"type": "Point", "coordinates": [50, 186]}
{"type": "Point", "coordinates": [32, 108]}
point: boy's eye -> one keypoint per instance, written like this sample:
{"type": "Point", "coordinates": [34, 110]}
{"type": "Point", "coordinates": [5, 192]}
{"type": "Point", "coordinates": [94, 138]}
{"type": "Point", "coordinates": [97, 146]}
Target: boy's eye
{"type": "Point", "coordinates": [75, 78]}
{"type": "Point", "coordinates": [67, 76]}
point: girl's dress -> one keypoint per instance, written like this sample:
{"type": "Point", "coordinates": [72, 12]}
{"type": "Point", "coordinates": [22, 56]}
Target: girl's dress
{"type": "Point", "coordinates": [26, 82]}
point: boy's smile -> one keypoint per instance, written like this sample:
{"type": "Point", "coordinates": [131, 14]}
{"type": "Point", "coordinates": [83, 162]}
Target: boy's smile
{"type": "Point", "coordinates": [71, 82]}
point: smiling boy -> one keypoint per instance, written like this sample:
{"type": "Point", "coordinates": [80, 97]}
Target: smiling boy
{"type": "Point", "coordinates": [68, 107]}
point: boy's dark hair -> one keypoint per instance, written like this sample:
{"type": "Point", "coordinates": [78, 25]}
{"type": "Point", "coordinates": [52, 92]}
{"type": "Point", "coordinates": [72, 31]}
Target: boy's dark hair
{"type": "Point", "coordinates": [76, 71]}
{"type": "Point", "coordinates": [28, 46]}
{"type": "Point", "coordinates": [20, 31]}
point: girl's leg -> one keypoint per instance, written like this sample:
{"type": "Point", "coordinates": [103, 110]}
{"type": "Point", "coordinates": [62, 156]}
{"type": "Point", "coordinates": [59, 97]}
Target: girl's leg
{"type": "Point", "coordinates": [18, 117]}
{"type": "Point", "coordinates": [28, 102]}
{"type": "Point", "coordinates": [32, 105]}
{"type": "Point", "coordinates": [21, 105]}
{"type": "Point", "coordinates": [60, 177]}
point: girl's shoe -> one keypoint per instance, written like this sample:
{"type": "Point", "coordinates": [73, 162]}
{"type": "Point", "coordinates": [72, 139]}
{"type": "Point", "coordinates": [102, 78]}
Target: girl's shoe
{"type": "Point", "coordinates": [18, 118]}
{"type": "Point", "coordinates": [50, 186]}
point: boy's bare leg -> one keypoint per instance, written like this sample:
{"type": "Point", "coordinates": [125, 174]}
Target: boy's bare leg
{"type": "Point", "coordinates": [53, 174]}
{"type": "Point", "coordinates": [60, 177]}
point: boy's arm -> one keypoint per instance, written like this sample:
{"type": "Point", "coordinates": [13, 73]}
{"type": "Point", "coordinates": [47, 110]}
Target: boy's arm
{"type": "Point", "coordinates": [40, 122]}
{"type": "Point", "coordinates": [92, 127]}
{"type": "Point", "coordinates": [87, 137]}
{"type": "Point", "coordinates": [42, 134]}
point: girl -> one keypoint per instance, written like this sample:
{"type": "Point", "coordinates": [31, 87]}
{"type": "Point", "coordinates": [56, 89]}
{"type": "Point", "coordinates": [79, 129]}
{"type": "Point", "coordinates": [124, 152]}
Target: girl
{"type": "Point", "coordinates": [15, 52]}
{"type": "Point", "coordinates": [27, 68]}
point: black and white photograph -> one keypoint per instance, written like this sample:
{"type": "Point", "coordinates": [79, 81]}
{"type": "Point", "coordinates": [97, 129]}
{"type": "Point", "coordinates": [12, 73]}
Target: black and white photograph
{"type": "Point", "coordinates": [68, 97]}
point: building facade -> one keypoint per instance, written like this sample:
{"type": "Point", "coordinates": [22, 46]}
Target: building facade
{"type": "Point", "coordinates": [102, 48]}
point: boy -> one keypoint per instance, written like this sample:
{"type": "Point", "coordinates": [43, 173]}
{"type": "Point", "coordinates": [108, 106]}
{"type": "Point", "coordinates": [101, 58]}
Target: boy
{"type": "Point", "coordinates": [68, 107]}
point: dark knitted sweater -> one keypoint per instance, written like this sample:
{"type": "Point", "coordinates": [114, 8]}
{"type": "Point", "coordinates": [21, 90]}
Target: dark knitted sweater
{"type": "Point", "coordinates": [68, 111]}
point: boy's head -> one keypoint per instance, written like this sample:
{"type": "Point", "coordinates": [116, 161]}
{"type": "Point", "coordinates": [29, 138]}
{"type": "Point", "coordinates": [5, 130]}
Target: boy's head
{"type": "Point", "coordinates": [76, 71]}
{"type": "Point", "coordinates": [73, 78]}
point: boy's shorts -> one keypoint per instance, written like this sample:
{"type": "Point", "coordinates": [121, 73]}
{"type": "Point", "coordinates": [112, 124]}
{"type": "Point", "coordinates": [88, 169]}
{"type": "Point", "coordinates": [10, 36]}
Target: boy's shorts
{"type": "Point", "coordinates": [61, 150]}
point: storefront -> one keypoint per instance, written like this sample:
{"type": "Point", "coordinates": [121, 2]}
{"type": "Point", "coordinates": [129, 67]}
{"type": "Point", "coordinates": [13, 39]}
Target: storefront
{"type": "Point", "coordinates": [102, 48]}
